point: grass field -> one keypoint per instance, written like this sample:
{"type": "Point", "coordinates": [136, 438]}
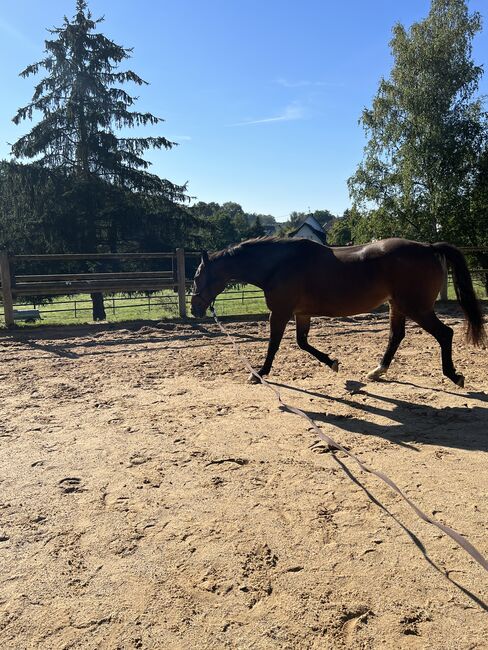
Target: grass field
{"type": "Point", "coordinates": [72, 310]}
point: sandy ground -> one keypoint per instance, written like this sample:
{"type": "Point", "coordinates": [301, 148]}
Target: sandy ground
{"type": "Point", "coordinates": [151, 498]}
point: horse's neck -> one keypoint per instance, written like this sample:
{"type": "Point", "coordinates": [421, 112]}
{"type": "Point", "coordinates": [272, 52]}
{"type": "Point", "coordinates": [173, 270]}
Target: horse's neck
{"type": "Point", "coordinates": [247, 267]}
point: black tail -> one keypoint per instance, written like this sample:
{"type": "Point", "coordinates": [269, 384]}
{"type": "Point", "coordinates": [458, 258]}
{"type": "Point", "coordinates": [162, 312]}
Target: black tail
{"type": "Point", "coordinates": [466, 296]}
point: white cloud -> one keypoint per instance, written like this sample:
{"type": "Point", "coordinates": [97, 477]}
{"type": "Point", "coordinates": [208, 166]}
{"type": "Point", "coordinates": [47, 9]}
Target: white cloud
{"type": "Point", "coordinates": [291, 112]}
{"type": "Point", "coordinates": [304, 83]}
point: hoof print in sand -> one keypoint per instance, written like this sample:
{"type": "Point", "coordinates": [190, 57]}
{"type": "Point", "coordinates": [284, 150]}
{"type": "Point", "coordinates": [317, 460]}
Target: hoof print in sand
{"type": "Point", "coordinates": [234, 461]}
{"type": "Point", "coordinates": [410, 622]}
{"type": "Point", "coordinates": [138, 459]}
{"type": "Point", "coordinates": [256, 573]}
{"type": "Point", "coordinates": [71, 484]}
{"type": "Point", "coordinates": [352, 621]}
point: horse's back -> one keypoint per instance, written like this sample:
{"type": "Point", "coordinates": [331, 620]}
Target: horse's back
{"type": "Point", "coordinates": [410, 272]}
{"type": "Point", "coordinates": [339, 281]}
{"type": "Point", "coordinates": [383, 248]}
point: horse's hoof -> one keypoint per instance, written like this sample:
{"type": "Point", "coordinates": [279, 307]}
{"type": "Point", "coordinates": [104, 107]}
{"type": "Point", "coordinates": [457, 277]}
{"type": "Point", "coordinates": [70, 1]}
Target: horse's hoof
{"type": "Point", "coordinates": [252, 379]}
{"type": "Point", "coordinates": [335, 366]}
{"type": "Point", "coordinates": [375, 374]}
{"type": "Point", "coordinates": [460, 380]}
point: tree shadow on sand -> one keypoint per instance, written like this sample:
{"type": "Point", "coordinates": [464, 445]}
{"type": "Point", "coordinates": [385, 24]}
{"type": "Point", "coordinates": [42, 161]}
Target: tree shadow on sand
{"type": "Point", "coordinates": [64, 344]}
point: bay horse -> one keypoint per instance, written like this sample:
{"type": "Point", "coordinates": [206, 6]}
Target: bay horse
{"type": "Point", "coordinates": [302, 278]}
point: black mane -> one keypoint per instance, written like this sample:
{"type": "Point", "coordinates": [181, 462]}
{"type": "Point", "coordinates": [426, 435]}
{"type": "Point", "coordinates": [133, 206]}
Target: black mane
{"type": "Point", "coordinates": [239, 248]}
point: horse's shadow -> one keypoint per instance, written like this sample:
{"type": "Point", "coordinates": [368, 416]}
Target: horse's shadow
{"type": "Point", "coordinates": [409, 421]}
{"type": "Point", "coordinates": [415, 422]}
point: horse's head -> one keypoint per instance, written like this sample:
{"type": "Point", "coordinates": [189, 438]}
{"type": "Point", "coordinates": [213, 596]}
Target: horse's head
{"type": "Point", "coordinates": [207, 284]}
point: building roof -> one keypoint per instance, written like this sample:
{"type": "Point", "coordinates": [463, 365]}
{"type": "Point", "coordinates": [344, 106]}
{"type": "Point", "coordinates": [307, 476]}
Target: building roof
{"type": "Point", "coordinates": [311, 223]}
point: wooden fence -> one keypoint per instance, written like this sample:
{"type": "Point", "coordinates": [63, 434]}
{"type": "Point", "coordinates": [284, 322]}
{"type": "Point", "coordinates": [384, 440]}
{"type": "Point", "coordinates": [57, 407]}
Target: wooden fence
{"type": "Point", "coordinates": [14, 284]}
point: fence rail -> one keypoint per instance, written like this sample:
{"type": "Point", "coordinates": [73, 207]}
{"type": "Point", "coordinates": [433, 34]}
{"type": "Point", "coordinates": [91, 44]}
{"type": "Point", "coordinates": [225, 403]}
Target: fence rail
{"type": "Point", "coordinates": [15, 285]}
{"type": "Point", "coordinates": [66, 277]}
{"type": "Point", "coordinates": [68, 257]}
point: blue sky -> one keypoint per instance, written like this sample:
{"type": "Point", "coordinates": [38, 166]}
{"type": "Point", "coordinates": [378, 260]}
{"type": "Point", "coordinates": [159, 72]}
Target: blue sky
{"type": "Point", "coordinates": [263, 96]}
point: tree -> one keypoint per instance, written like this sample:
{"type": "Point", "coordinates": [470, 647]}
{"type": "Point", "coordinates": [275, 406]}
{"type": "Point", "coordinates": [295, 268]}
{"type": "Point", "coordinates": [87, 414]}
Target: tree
{"type": "Point", "coordinates": [203, 209]}
{"type": "Point", "coordinates": [350, 228]}
{"type": "Point", "coordinates": [341, 231]}
{"type": "Point", "coordinates": [222, 225]}
{"type": "Point", "coordinates": [425, 131]}
{"type": "Point", "coordinates": [224, 232]}
{"type": "Point", "coordinates": [256, 230]}
{"type": "Point", "coordinates": [265, 219]}
{"type": "Point", "coordinates": [83, 106]}
{"type": "Point", "coordinates": [226, 224]}
{"type": "Point", "coordinates": [296, 219]}
{"type": "Point", "coordinates": [477, 226]}
{"type": "Point", "coordinates": [231, 209]}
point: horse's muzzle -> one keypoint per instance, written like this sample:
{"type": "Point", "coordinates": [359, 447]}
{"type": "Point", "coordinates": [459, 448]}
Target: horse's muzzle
{"type": "Point", "coordinates": [198, 307]}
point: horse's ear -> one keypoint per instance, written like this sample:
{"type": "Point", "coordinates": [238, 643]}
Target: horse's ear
{"type": "Point", "coordinates": [205, 257]}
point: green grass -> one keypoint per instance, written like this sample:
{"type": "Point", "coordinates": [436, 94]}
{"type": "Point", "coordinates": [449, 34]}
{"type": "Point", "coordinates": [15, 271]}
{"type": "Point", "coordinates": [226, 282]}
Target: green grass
{"type": "Point", "coordinates": [76, 310]}
{"type": "Point", "coordinates": [478, 287]}
{"type": "Point", "coordinates": [248, 300]}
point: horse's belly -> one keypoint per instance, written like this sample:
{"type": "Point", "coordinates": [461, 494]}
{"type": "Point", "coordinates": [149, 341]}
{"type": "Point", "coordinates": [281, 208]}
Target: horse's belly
{"type": "Point", "coordinates": [345, 303]}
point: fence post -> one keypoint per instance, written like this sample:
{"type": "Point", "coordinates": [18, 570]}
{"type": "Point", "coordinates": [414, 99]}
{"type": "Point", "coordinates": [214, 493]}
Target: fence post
{"type": "Point", "coordinates": [181, 277]}
{"type": "Point", "coordinates": [443, 293]}
{"type": "Point", "coordinates": [8, 305]}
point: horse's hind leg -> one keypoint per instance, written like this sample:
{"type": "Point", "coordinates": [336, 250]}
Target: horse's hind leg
{"type": "Point", "coordinates": [303, 328]}
{"type": "Point", "coordinates": [397, 334]}
{"type": "Point", "coordinates": [277, 325]}
{"type": "Point", "coordinates": [443, 334]}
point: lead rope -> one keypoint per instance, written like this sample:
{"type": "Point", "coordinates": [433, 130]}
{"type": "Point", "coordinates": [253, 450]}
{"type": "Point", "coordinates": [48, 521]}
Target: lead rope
{"type": "Point", "coordinates": [453, 534]}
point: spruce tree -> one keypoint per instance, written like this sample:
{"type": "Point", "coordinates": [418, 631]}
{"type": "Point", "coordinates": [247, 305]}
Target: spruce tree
{"type": "Point", "coordinates": [83, 106]}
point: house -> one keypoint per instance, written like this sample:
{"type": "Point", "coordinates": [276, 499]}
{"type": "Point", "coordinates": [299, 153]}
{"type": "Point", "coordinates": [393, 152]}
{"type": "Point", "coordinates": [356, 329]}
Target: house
{"type": "Point", "coordinates": [310, 229]}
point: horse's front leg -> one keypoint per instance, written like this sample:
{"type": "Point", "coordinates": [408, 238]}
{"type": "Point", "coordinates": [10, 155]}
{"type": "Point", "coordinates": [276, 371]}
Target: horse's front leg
{"type": "Point", "coordinates": [277, 325]}
{"type": "Point", "coordinates": [303, 328]}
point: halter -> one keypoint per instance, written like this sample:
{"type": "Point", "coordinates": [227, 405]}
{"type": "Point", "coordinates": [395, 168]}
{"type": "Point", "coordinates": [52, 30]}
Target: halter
{"type": "Point", "coordinates": [198, 294]}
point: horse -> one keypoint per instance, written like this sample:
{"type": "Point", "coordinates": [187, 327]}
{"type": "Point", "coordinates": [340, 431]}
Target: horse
{"type": "Point", "coordinates": [302, 278]}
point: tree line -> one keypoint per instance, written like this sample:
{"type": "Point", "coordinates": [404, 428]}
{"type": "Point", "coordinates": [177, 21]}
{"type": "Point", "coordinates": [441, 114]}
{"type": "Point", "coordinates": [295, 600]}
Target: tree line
{"type": "Point", "coordinates": [424, 173]}
{"type": "Point", "coordinates": [77, 183]}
